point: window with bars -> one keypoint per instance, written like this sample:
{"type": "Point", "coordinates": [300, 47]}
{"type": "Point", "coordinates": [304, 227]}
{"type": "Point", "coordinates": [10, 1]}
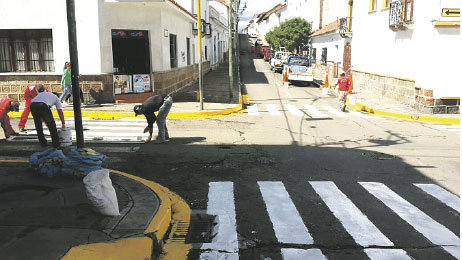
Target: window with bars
{"type": "Point", "coordinates": [26, 50]}
{"type": "Point", "coordinates": [173, 52]}
{"type": "Point", "coordinates": [313, 54]}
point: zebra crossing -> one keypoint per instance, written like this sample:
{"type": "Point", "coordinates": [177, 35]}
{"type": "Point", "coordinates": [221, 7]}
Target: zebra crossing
{"type": "Point", "coordinates": [448, 128]}
{"type": "Point", "coordinates": [290, 230]}
{"type": "Point", "coordinates": [323, 111]}
{"type": "Point", "coordinates": [100, 130]}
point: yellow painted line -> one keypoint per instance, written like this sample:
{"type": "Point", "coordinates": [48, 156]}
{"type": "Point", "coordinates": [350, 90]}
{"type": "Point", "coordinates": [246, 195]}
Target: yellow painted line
{"type": "Point", "coordinates": [172, 210]}
{"type": "Point", "coordinates": [14, 161]}
{"type": "Point", "coordinates": [128, 248]}
{"type": "Point", "coordinates": [419, 118]}
{"type": "Point", "coordinates": [446, 24]}
{"type": "Point", "coordinates": [173, 115]}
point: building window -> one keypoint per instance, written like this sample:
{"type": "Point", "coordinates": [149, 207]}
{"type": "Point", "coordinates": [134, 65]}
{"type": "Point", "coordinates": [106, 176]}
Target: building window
{"type": "Point", "coordinates": [324, 56]}
{"type": "Point", "coordinates": [188, 51]}
{"type": "Point", "coordinates": [313, 55]}
{"type": "Point", "coordinates": [408, 11]}
{"type": "Point", "coordinates": [372, 5]}
{"type": "Point", "coordinates": [386, 4]}
{"type": "Point", "coordinates": [205, 52]}
{"type": "Point", "coordinates": [26, 50]}
{"type": "Point", "coordinates": [173, 52]}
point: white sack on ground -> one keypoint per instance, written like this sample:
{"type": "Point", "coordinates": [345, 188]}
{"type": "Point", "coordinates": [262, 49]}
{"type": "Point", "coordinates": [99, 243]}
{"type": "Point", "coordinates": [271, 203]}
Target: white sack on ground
{"type": "Point", "coordinates": [101, 193]}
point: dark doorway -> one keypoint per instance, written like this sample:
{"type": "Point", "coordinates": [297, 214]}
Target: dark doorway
{"type": "Point", "coordinates": [130, 52]}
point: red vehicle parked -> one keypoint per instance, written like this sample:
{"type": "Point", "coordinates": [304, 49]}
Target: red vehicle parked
{"type": "Point", "coordinates": [263, 51]}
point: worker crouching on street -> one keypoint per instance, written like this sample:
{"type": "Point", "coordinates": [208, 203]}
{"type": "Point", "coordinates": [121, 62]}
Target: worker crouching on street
{"type": "Point", "coordinates": [343, 84]}
{"type": "Point", "coordinates": [7, 105]}
{"type": "Point", "coordinates": [29, 94]}
{"type": "Point", "coordinates": [148, 108]}
{"type": "Point", "coordinates": [41, 111]}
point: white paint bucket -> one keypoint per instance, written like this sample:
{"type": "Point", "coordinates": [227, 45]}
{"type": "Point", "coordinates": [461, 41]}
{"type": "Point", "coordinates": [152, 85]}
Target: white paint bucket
{"type": "Point", "coordinates": [65, 137]}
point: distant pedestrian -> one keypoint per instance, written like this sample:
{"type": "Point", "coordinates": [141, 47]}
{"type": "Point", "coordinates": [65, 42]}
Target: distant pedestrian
{"type": "Point", "coordinates": [66, 82]}
{"type": "Point", "coordinates": [343, 84]}
{"type": "Point", "coordinates": [7, 105]}
{"type": "Point", "coordinates": [41, 111]}
{"type": "Point", "coordinates": [153, 104]}
{"type": "Point", "coordinates": [29, 94]}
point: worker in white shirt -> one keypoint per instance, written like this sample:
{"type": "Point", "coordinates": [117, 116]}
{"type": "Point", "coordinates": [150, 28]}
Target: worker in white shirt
{"type": "Point", "coordinates": [41, 111]}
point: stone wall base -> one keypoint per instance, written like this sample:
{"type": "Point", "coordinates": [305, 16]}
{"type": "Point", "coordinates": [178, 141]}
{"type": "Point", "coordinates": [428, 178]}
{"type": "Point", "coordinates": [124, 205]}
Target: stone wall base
{"type": "Point", "coordinates": [404, 91]}
{"type": "Point", "coordinates": [99, 88]}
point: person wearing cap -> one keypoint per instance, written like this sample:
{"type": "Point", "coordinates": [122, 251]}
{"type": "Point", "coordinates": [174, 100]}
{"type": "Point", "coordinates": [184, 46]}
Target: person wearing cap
{"type": "Point", "coordinates": [343, 84]}
{"type": "Point", "coordinates": [7, 105]}
{"type": "Point", "coordinates": [148, 109]}
{"type": "Point", "coordinates": [41, 111]}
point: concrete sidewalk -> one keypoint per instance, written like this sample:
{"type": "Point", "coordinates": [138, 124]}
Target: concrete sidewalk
{"type": "Point", "coordinates": [42, 218]}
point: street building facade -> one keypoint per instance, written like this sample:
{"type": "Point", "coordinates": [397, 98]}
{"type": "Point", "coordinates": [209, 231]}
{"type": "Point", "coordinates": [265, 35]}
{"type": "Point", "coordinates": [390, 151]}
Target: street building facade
{"type": "Point", "coordinates": [127, 49]}
{"type": "Point", "coordinates": [408, 47]}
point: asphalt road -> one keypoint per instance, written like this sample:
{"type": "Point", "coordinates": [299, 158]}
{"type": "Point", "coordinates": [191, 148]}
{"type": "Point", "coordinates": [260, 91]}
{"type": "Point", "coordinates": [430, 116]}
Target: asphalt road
{"type": "Point", "coordinates": [277, 184]}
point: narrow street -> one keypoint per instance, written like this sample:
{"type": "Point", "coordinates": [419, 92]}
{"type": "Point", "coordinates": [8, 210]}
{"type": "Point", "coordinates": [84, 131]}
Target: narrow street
{"type": "Point", "coordinates": [295, 178]}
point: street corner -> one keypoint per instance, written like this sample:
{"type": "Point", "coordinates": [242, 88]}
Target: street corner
{"type": "Point", "coordinates": [169, 227]}
{"type": "Point", "coordinates": [355, 105]}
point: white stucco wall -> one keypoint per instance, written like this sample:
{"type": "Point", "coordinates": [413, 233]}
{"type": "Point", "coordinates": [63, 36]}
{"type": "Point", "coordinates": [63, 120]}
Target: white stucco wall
{"type": "Point", "coordinates": [334, 44]}
{"type": "Point", "coordinates": [152, 17]}
{"type": "Point", "coordinates": [420, 53]}
{"type": "Point", "coordinates": [51, 14]}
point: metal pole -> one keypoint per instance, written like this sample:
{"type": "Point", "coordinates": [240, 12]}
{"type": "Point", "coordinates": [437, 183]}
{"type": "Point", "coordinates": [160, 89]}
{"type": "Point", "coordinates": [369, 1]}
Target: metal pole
{"type": "Point", "coordinates": [199, 45]}
{"type": "Point", "coordinates": [71, 29]}
{"type": "Point", "coordinates": [230, 47]}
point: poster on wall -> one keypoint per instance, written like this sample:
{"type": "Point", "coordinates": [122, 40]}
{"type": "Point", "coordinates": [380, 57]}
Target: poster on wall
{"type": "Point", "coordinates": [141, 83]}
{"type": "Point", "coordinates": [122, 84]}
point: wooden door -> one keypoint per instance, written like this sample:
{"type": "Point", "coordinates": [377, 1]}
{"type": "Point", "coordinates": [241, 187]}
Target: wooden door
{"type": "Point", "coordinates": [347, 58]}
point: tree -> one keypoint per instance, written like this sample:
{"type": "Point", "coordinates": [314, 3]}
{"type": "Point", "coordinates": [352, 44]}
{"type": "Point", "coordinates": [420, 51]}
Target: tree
{"type": "Point", "coordinates": [291, 34]}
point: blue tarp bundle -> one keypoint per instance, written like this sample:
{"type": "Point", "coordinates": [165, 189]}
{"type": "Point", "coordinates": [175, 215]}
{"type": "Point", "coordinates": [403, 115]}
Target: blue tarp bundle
{"type": "Point", "coordinates": [48, 162]}
{"type": "Point", "coordinates": [77, 163]}
{"type": "Point", "coordinates": [80, 162]}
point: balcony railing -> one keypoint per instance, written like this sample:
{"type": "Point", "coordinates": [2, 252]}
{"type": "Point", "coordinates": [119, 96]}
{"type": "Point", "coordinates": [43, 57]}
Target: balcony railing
{"type": "Point", "coordinates": [400, 16]}
{"type": "Point", "coordinates": [345, 27]}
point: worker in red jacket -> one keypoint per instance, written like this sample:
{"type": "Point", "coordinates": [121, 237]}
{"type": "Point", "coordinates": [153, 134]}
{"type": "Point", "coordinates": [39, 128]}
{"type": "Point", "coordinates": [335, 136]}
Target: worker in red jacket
{"type": "Point", "coordinates": [7, 105]}
{"type": "Point", "coordinates": [29, 94]}
{"type": "Point", "coordinates": [343, 84]}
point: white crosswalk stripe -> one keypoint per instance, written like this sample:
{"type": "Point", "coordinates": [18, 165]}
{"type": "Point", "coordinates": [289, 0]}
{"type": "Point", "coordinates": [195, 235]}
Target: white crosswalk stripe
{"type": "Point", "coordinates": [287, 223]}
{"type": "Point", "coordinates": [448, 128]}
{"type": "Point", "coordinates": [116, 130]}
{"type": "Point", "coordinates": [354, 221]}
{"type": "Point", "coordinates": [432, 230]}
{"type": "Point", "coordinates": [293, 110]}
{"type": "Point", "coordinates": [289, 227]}
{"type": "Point", "coordinates": [310, 110]}
{"type": "Point", "coordinates": [386, 254]}
{"type": "Point", "coordinates": [334, 111]}
{"type": "Point", "coordinates": [441, 194]}
{"type": "Point", "coordinates": [314, 112]}
{"type": "Point", "coordinates": [253, 110]}
{"type": "Point", "coordinates": [272, 109]}
{"type": "Point", "coordinates": [298, 254]}
{"type": "Point", "coordinates": [221, 203]}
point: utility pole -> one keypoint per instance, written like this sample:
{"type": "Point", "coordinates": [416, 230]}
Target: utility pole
{"type": "Point", "coordinates": [230, 48]}
{"type": "Point", "coordinates": [199, 45]}
{"type": "Point", "coordinates": [71, 29]}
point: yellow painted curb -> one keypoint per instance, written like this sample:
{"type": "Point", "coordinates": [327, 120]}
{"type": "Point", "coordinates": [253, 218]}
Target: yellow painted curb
{"type": "Point", "coordinates": [427, 119]}
{"type": "Point", "coordinates": [173, 115]}
{"type": "Point", "coordinates": [173, 211]}
{"type": "Point", "coordinates": [128, 248]}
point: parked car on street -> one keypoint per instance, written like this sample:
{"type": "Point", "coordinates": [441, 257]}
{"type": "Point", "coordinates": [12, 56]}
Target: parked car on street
{"type": "Point", "coordinates": [278, 61]}
{"type": "Point", "coordinates": [299, 69]}
{"type": "Point", "coordinates": [263, 51]}
{"type": "Point", "coordinates": [268, 55]}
